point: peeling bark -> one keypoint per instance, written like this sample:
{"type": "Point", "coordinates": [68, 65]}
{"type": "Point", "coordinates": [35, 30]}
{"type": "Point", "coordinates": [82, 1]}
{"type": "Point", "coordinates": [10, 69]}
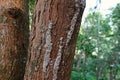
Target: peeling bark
{"type": "Point", "coordinates": [13, 38]}
{"type": "Point", "coordinates": [55, 28]}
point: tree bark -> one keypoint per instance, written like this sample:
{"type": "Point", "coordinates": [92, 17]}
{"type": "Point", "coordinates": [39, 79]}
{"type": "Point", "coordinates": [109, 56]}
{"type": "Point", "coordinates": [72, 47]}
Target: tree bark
{"type": "Point", "coordinates": [14, 29]}
{"type": "Point", "coordinates": [55, 28]}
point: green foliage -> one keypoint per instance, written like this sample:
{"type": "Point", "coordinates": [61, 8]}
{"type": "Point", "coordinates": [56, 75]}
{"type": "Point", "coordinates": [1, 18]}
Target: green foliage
{"type": "Point", "coordinates": [98, 49]}
{"type": "Point", "coordinates": [84, 44]}
{"type": "Point", "coordinates": [75, 76]}
{"type": "Point", "coordinates": [116, 22]}
{"type": "Point", "coordinates": [89, 76]}
{"type": "Point", "coordinates": [32, 5]}
{"type": "Point", "coordinates": [116, 15]}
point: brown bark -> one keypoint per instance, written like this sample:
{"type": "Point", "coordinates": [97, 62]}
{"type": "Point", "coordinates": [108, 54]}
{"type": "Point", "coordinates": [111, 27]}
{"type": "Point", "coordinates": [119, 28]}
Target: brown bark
{"type": "Point", "coordinates": [111, 72]}
{"type": "Point", "coordinates": [53, 38]}
{"type": "Point", "coordinates": [14, 28]}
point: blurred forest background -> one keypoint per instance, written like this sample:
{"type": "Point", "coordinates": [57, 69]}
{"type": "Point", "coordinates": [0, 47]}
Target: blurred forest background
{"type": "Point", "coordinates": [97, 54]}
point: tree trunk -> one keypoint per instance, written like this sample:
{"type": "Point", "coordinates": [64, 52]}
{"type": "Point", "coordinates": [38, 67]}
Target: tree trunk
{"type": "Point", "coordinates": [53, 38]}
{"type": "Point", "coordinates": [111, 72]}
{"type": "Point", "coordinates": [78, 62]}
{"type": "Point", "coordinates": [14, 28]}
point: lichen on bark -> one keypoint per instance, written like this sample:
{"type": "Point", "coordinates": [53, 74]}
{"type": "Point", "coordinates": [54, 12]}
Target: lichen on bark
{"type": "Point", "coordinates": [48, 47]}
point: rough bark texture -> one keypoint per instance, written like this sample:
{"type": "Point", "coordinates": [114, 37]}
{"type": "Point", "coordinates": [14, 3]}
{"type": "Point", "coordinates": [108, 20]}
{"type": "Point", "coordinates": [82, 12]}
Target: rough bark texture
{"type": "Point", "coordinates": [53, 38]}
{"type": "Point", "coordinates": [14, 28]}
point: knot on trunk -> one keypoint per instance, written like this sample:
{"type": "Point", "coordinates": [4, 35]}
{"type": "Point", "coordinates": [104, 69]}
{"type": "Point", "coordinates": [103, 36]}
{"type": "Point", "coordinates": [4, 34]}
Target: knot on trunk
{"type": "Point", "coordinates": [14, 13]}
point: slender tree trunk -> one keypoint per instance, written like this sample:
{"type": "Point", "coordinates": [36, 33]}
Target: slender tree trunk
{"type": "Point", "coordinates": [78, 62]}
{"type": "Point", "coordinates": [115, 73]}
{"type": "Point", "coordinates": [14, 28]}
{"type": "Point", "coordinates": [56, 24]}
{"type": "Point", "coordinates": [97, 71]}
{"type": "Point", "coordinates": [111, 72]}
{"type": "Point", "coordinates": [84, 65]}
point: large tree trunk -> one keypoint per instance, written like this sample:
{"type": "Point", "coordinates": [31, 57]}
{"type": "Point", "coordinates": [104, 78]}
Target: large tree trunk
{"type": "Point", "coordinates": [53, 38]}
{"type": "Point", "coordinates": [14, 28]}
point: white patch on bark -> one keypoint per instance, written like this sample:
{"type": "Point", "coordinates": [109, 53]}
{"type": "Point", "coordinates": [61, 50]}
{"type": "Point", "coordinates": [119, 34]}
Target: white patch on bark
{"type": "Point", "coordinates": [58, 59]}
{"type": "Point", "coordinates": [73, 21]}
{"type": "Point", "coordinates": [48, 47]}
{"type": "Point", "coordinates": [36, 68]}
